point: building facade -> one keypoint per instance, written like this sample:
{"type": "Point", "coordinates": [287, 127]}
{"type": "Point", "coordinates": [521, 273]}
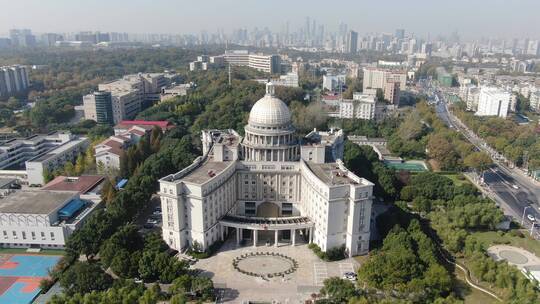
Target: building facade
{"type": "Point", "coordinates": [265, 63]}
{"type": "Point", "coordinates": [13, 80]}
{"type": "Point", "coordinates": [362, 106]}
{"type": "Point", "coordinates": [98, 107]}
{"type": "Point", "coordinates": [267, 187]}
{"type": "Point", "coordinates": [54, 159]}
{"type": "Point", "coordinates": [493, 101]}
{"type": "Point", "coordinates": [42, 218]}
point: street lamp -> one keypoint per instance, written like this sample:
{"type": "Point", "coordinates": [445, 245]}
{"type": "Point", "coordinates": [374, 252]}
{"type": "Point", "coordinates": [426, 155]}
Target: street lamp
{"type": "Point", "coordinates": [523, 217]}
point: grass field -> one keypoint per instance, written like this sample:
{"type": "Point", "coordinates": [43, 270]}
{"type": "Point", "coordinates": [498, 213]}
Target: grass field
{"type": "Point", "coordinates": [457, 178]}
{"type": "Point", "coordinates": [490, 238]}
{"type": "Point", "coordinates": [23, 251]}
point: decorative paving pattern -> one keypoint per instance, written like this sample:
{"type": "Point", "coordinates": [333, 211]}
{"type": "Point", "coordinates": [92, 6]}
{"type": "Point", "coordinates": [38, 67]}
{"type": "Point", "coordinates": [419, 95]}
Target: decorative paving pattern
{"type": "Point", "coordinates": [265, 264]}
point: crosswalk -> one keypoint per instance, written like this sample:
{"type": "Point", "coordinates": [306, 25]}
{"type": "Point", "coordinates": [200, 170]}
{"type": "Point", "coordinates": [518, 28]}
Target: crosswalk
{"type": "Point", "coordinates": [320, 274]}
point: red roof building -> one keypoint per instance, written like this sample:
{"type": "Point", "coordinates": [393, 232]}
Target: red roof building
{"type": "Point", "coordinates": [81, 184]}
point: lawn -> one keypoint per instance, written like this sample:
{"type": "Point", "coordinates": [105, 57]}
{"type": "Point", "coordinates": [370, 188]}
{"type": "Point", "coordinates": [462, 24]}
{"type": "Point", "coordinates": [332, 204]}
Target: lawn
{"type": "Point", "coordinates": [457, 178]}
{"type": "Point", "coordinates": [23, 251]}
{"type": "Point", "coordinates": [490, 238]}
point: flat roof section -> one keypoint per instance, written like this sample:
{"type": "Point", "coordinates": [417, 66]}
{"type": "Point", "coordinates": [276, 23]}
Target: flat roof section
{"type": "Point", "coordinates": [330, 174]}
{"type": "Point", "coordinates": [206, 172]}
{"type": "Point", "coordinates": [34, 202]}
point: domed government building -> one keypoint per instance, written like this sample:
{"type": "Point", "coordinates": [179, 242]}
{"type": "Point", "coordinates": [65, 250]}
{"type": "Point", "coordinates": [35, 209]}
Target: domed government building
{"type": "Point", "coordinates": [268, 188]}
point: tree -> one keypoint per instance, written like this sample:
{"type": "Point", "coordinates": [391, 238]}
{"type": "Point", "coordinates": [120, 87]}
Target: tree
{"type": "Point", "coordinates": [84, 277]}
{"type": "Point", "coordinates": [479, 161]}
{"type": "Point", "coordinates": [203, 287]}
{"type": "Point", "coordinates": [338, 290]}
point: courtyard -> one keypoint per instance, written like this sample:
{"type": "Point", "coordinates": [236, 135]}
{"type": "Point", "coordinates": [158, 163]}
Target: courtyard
{"type": "Point", "coordinates": [295, 271]}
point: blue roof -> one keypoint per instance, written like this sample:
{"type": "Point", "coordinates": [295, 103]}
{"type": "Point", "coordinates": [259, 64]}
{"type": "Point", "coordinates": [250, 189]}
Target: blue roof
{"type": "Point", "coordinates": [121, 183]}
{"type": "Point", "coordinates": [71, 208]}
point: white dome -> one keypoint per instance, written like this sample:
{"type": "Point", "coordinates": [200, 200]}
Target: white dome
{"type": "Point", "coordinates": [270, 110]}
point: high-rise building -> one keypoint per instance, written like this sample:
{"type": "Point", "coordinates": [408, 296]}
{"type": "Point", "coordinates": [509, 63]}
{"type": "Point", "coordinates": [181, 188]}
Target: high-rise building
{"type": "Point", "coordinates": [392, 91]}
{"type": "Point", "coordinates": [22, 37]}
{"type": "Point", "coordinates": [98, 107]}
{"type": "Point", "coordinates": [533, 48]}
{"type": "Point", "coordinates": [352, 42]}
{"type": "Point", "coordinates": [13, 80]}
{"type": "Point", "coordinates": [493, 101]}
{"type": "Point", "coordinates": [400, 33]}
{"type": "Point", "coordinates": [376, 78]}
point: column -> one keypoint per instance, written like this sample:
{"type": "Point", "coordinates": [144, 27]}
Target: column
{"type": "Point", "coordinates": [276, 236]}
{"type": "Point", "coordinates": [254, 238]}
{"type": "Point", "coordinates": [293, 236]}
{"type": "Point", "coordinates": [221, 232]}
{"type": "Point", "coordinates": [237, 236]}
{"type": "Point", "coordinates": [310, 235]}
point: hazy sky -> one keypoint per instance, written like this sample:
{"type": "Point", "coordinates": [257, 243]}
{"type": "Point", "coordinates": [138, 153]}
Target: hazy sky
{"type": "Point", "coordinates": [471, 18]}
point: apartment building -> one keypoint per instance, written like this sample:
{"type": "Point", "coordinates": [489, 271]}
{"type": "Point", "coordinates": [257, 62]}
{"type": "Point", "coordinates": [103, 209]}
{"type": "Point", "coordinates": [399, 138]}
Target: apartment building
{"type": "Point", "coordinates": [493, 101]}
{"type": "Point", "coordinates": [362, 106]}
{"type": "Point", "coordinates": [376, 78]}
{"type": "Point", "coordinates": [13, 79]}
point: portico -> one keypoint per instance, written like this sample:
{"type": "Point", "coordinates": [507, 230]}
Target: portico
{"type": "Point", "coordinates": [287, 227]}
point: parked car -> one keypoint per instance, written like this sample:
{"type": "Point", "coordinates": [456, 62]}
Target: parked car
{"type": "Point", "coordinates": [351, 276]}
{"type": "Point", "coordinates": [151, 221]}
{"type": "Point", "coordinates": [515, 186]}
{"type": "Point", "coordinates": [148, 226]}
{"type": "Point", "coordinates": [531, 217]}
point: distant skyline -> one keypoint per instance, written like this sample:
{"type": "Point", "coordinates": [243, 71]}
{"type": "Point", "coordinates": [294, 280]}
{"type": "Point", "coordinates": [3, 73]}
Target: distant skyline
{"type": "Point", "coordinates": [472, 19]}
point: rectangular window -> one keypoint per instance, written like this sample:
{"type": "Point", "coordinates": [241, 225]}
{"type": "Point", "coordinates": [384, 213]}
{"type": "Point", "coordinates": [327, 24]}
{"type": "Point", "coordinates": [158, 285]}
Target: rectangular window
{"type": "Point", "coordinates": [24, 235]}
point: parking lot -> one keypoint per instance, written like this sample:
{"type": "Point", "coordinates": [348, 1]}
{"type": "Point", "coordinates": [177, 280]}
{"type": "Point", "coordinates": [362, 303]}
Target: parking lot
{"type": "Point", "coordinates": [150, 219]}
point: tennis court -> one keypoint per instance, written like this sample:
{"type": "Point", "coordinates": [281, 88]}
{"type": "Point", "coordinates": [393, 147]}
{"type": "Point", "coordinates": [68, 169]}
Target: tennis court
{"type": "Point", "coordinates": [20, 275]}
{"type": "Point", "coordinates": [412, 166]}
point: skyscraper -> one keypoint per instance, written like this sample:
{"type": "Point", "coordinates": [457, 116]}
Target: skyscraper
{"type": "Point", "coordinates": [400, 33]}
{"type": "Point", "coordinates": [352, 42]}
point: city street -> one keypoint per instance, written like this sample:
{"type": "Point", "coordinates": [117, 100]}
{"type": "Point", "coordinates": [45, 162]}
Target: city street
{"type": "Point", "coordinates": [516, 193]}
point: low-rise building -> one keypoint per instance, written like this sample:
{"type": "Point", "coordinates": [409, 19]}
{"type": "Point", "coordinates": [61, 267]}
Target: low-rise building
{"type": "Point", "coordinates": [85, 184]}
{"type": "Point", "coordinates": [42, 218]}
{"type": "Point", "coordinates": [173, 91]}
{"type": "Point", "coordinates": [110, 152]}
{"type": "Point", "coordinates": [39, 152]}
{"type": "Point", "coordinates": [53, 159]}
{"type": "Point", "coordinates": [362, 106]}
{"type": "Point", "coordinates": [266, 63]}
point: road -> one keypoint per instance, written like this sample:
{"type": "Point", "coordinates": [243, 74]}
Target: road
{"type": "Point", "coordinates": [500, 179]}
